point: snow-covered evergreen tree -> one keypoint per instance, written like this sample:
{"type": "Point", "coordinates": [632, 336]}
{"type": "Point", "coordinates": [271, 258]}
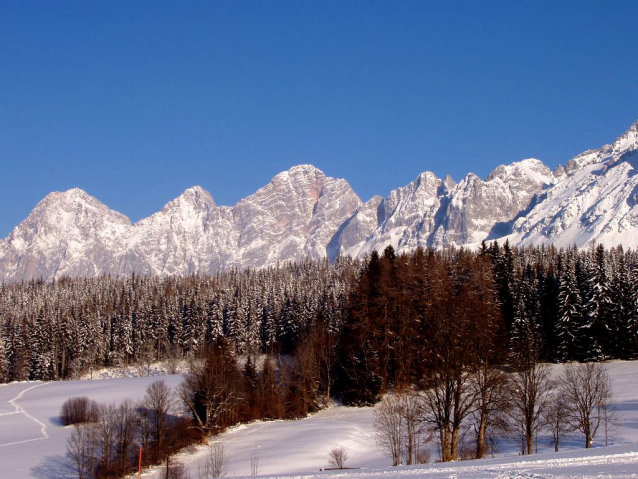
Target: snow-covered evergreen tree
{"type": "Point", "coordinates": [570, 317]}
{"type": "Point", "coordinates": [596, 337]}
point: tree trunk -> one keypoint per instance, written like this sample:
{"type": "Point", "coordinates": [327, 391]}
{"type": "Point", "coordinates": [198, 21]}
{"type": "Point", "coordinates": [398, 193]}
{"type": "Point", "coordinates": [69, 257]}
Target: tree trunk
{"type": "Point", "coordinates": [530, 441]}
{"type": "Point", "coordinates": [455, 444]}
{"type": "Point", "coordinates": [480, 440]}
{"type": "Point", "coordinates": [445, 446]}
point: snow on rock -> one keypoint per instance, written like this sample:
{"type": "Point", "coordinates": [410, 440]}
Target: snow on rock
{"type": "Point", "coordinates": [67, 234]}
{"type": "Point", "coordinates": [73, 234]}
{"type": "Point", "coordinates": [597, 201]}
{"type": "Point", "coordinates": [293, 216]}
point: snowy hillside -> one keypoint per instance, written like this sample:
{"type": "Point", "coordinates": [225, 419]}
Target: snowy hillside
{"type": "Point", "coordinates": [32, 441]}
{"type": "Point", "coordinates": [304, 213]}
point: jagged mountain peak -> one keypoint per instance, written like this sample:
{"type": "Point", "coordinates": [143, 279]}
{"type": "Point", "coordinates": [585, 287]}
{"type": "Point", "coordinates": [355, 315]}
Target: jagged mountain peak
{"type": "Point", "coordinates": [76, 204]}
{"type": "Point", "coordinates": [197, 192]}
{"type": "Point", "coordinates": [193, 197]}
{"type": "Point", "coordinates": [531, 167]}
{"type": "Point", "coordinates": [304, 172]}
{"type": "Point", "coordinates": [69, 196]}
{"type": "Point", "coordinates": [529, 171]}
{"type": "Point", "coordinates": [67, 233]}
{"type": "Point", "coordinates": [628, 141]}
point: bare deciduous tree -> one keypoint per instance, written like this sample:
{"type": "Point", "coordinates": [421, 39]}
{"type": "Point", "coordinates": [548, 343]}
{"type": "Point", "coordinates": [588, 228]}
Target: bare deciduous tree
{"type": "Point", "coordinates": [587, 393]}
{"type": "Point", "coordinates": [216, 460]}
{"type": "Point", "coordinates": [254, 462]}
{"type": "Point", "coordinates": [555, 420]}
{"type": "Point", "coordinates": [400, 427]}
{"type": "Point", "coordinates": [156, 406]}
{"type": "Point", "coordinates": [82, 448]}
{"type": "Point", "coordinates": [389, 425]}
{"type": "Point", "coordinates": [414, 431]}
{"type": "Point", "coordinates": [492, 402]}
{"type": "Point", "coordinates": [531, 388]}
{"type": "Point", "coordinates": [126, 421]}
{"type": "Point", "coordinates": [338, 457]}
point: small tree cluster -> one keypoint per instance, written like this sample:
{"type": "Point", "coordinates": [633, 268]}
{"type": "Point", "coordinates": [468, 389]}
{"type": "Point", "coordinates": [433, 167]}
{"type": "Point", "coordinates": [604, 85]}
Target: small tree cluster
{"type": "Point", "coordinates": [108, 445]}
{"type": "Point", "coordinates": [78, 410]}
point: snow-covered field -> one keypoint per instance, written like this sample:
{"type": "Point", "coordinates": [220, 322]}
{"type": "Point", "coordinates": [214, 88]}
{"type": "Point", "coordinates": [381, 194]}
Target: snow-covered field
{"type": "Point", "coordinates": [33, 443]}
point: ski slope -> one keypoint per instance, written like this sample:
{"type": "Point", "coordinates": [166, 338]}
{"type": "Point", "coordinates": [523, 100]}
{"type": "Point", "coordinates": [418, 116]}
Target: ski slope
{"type": "Point", "coordinates": [33, 442]}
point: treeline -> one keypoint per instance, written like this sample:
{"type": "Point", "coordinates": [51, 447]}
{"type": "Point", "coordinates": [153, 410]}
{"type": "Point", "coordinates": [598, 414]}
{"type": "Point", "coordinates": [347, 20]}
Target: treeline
{"type": "Point", "coordinates": [378, 320]}
{"type": "Point", "coordinates": [65, 328]}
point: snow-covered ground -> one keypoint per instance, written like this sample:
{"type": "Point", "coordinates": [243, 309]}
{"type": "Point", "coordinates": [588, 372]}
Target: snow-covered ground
{"type": "Point", "coordinates": [33, 443]}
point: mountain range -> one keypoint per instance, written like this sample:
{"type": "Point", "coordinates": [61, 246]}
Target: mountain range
{"type": "Point", "coordinates": [304, 213]}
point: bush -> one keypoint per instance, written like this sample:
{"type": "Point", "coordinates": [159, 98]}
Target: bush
{"type": "Point", "coordinates": [78, 410]}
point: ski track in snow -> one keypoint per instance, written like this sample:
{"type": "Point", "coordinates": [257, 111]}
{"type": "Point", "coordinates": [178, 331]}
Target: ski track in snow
{"type": "Point", "coordinates": [19, 410]}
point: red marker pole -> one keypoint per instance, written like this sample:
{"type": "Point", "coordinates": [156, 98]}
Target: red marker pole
{"type": "Point", "coordinates": [140, 466]}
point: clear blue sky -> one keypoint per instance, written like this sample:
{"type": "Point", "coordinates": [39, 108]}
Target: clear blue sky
{"type": "Point", "coordinates": [136, 101]}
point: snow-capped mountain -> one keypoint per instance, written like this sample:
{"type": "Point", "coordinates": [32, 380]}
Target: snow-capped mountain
{"type": "Point", "coordinates": [304, 213]}
{"type": "Point", "coordinates": [434, 212]}
{"type": "Point", "coordinates": [74, 234]}
{"type": "Point", "coordinates": [70, 233]}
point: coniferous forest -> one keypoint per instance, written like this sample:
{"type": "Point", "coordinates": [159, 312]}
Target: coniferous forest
{"type": "Point", "coordinates": [373, 324]}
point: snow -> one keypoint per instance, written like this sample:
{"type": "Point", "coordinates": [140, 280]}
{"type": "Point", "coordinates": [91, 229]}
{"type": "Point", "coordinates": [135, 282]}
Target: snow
{"type": "Point", "coordinates": [33, 443]}
{"type": "Point", "coordinates": [32, 439]}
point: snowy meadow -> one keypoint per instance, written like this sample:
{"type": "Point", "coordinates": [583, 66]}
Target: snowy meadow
{"type": "Point", "coordinates": [33, 440]}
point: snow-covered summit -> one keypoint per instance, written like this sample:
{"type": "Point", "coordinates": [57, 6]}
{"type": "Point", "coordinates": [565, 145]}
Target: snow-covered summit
{"type": "Point", "coordinates": [528, 171]}
{"type": "Point", "coordinates": [67, 233]}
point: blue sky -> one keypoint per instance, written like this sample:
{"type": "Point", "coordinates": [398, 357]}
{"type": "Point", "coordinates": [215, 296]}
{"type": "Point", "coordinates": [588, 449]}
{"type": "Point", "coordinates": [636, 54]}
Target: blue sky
{"type": "Point", "coordinates": [136, 101]}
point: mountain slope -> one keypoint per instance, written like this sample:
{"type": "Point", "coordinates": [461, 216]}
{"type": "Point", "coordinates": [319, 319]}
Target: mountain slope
{"type": "Point", "coordinates": [595, 201]}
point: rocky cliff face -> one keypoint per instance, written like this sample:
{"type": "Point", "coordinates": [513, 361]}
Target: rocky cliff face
{"type": "Point", "coordinates": [304, 213]}
{"type": "Point", "coordinates": [434, 212]}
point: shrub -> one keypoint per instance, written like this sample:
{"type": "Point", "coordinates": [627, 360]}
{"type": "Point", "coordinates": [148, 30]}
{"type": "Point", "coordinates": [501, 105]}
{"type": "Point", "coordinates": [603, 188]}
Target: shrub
{"type": "Point", "coordinates": [78, 410]}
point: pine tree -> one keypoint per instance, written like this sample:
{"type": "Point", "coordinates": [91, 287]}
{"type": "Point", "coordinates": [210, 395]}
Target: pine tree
{"type": "Point", "coordinates": [596, 334]}
{"type": "Point", "coordinates": [570, 319]}
{"type": "Point", "coordinates": [526, 329]}
{"type": "Point", "coordinates": [621, 318]}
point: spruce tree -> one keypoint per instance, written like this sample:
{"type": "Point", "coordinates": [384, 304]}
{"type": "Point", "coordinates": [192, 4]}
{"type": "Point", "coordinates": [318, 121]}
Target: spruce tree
{"type": "Point", "coordinates": [570, 319]}
{"type": "Point", "coordinates": [596, 336]}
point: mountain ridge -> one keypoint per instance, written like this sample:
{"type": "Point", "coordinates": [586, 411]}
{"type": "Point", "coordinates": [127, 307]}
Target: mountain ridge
{"type": "Point", "coordinates": [302, 212]}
